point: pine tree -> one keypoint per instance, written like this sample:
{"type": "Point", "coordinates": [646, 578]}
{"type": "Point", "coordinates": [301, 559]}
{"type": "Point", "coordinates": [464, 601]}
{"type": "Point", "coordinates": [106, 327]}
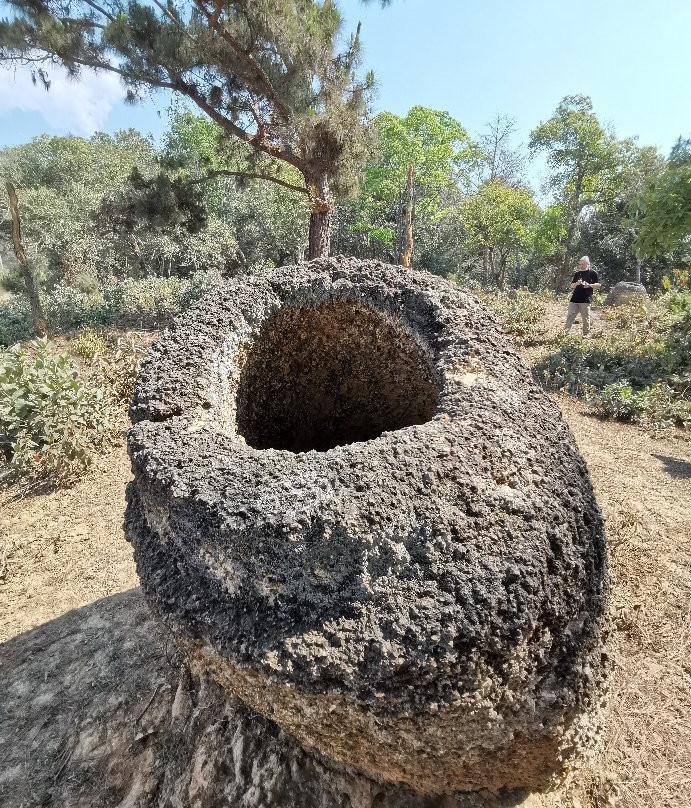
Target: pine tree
{"type": "Point", "coordinates": [267, 71]}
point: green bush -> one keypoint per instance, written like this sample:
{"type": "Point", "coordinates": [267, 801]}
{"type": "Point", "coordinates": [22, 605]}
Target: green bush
{"type": "Point", "coordinates": [16, 324]}
{"type": "Point", "coordinates": [89, 344]}
{"type": "Point", "coordinates": [66, 308]}
{"type": "Point", "coordinates": [155, 301]}
{"type": "Point", "coordinates": [113, 361]}
{"type": "Point", "coordinates": [520, 311]}
{"type": "Point", "coordinates": [658, 405]}
{"type": "Point", "coordinates": [147, 303]}
{"type": "Point", "coordinates": [640, 371]}
{"type": "Point", "coordinates": [579, 367]}
{"type": "Point", "coordinates": [51, 422]}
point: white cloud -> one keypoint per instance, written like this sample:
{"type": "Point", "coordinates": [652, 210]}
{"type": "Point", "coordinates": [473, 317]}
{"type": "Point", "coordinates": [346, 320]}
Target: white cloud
{"type": "Point", "coordinates": [71, 106]}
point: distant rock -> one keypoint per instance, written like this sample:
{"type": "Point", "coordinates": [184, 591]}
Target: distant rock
{"type": "Point", "coordinates": [626, 292]}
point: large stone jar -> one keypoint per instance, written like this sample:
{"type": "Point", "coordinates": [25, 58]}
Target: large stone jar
{"type": "Point", "coordinates": [354, 507]}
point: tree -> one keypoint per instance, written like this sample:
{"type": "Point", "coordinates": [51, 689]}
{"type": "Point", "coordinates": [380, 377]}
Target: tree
{"type": "Point", "coordinates": [588, 166]}
{"type": "Point", "coordinates": [103, 207]}
{"type": "Point", "coordinates": [40, 326]}
{"type": "Point", "coordinates": [501, 222]}
{"type": "Point", "coordinates": [500, 161]}
{"type": "Point", "coordinates": [420, 157]}
{"type": "Point", "coordinates": [268, 221]}
{"type": "Point", "coordinates": [664, 207]}
{"type": "Point", "coordinates": [267, 72]}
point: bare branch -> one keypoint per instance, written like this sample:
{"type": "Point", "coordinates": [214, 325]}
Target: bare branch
{"type": "Point", "coordinates": [249, 176]}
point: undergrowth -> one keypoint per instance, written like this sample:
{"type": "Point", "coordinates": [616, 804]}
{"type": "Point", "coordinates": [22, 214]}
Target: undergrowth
{"type": "Point", "coordinates": [638, 370]}
{"type": "Point", "coordinates": [56, 415]}
{"type": "Point", "coordinates": [520, 312]}
{"type": "Point", "coordinates": [147, 303]}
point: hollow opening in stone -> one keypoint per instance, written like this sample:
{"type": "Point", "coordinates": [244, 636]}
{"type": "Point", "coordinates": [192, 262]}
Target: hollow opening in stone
{"type": "Point", "coordinates": [329, 375]}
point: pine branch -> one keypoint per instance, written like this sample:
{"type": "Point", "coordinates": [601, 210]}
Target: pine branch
{"type": "Point", "coordinates": [250, 176]}
{"type": "Point", "coordinates": [94, 64]}
{"type": "Point", "coordinates": [100, 10]}
{"type": "Point", "coordinates": [278, 152]}
{"type": "Point", "coordinates": [267, 88]}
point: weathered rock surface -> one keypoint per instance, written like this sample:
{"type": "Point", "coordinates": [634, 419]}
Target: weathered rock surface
{"type": "Point", "coordinates": [626, 292]}
{"type": "Point", "coordinates": [98, 710]}
{"type": "Point", "coordinates": [355, 508]}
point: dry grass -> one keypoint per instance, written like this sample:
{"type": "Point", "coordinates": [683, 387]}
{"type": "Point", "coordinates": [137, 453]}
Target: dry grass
{"type": "Point", "coordinates": [643, 484]}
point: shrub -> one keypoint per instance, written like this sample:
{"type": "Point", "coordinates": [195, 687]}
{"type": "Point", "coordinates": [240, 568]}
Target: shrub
{"type": "Point", "coordinates": [15, 321]}
{"type": "Point", "coordinates": [150, 302]}
{"type": "Point", "coordinates": [113, 362]}
{"type": "Point", "coordinates": [89, 344]}
{"type": "Point", "coordinates": [658, 405]}
{"type": "Point", "coordinates": [521, 312]}
{"type": "Point", "coordinates": [579, 366]}
{"type": "Point", "coordinates": [66, 308]}
{"type": "Point", "coordinates": [155, 301]}
{"type": "Point", "coordinates": [638, 372]}
{"type": "Point", "coordinates": [51, 422]}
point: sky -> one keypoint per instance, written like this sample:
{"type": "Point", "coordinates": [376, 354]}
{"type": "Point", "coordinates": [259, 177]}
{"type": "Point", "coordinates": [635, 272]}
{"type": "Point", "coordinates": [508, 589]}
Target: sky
{"type": "Point", "coordinates": [472, 58]}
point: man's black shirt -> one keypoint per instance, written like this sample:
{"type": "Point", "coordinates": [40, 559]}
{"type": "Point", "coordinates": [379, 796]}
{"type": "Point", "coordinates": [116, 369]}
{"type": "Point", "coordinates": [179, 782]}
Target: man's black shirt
{"type": "Point", "coordinates": [580, 293]}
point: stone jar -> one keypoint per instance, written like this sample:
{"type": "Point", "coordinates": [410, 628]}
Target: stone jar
{"type": "Point", "coordinates": [355, 508]}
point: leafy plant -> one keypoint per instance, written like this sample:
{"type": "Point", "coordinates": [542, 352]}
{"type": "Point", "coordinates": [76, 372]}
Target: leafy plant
{"type": "Point", "coordinates": [51, 422]}
{"type": "Point", "coordinates": [658, 405]}
{"type": "Point", "coordinates": [521, 312]}
{"type": "Point", "coordinates": [89, 344]}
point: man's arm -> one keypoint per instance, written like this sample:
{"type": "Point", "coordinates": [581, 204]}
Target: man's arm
{"type": "Point", "coordinates": [594, 284]}
{"type": "Point", "coordinates": [575, 281]}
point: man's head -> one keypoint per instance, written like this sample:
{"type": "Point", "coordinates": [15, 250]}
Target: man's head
{"type": "Point", "coordinates": [584, 263]}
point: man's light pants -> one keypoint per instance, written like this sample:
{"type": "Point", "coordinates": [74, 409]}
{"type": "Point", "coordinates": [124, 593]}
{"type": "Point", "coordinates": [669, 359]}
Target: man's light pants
{"type": "Point", "coordinates": [579, 308]}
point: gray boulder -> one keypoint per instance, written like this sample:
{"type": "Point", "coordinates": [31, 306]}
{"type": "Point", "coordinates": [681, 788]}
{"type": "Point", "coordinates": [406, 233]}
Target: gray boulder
{"type": "Point", "coordinates": [353, 507]}
{"type": "Point", "coordinates": [626, 292]}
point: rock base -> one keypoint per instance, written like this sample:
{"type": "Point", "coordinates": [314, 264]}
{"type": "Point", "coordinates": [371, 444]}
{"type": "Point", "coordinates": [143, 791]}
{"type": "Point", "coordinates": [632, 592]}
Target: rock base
{"type": "Point", "coordinates": [99, 709]}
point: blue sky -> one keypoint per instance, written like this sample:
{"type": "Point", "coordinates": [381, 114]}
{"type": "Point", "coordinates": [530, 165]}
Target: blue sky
{"type": "Point", "coordinates": [474, 58]}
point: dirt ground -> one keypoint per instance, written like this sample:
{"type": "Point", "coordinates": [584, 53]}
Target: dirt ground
{"type": "Point", "coordinates": [62, 550]}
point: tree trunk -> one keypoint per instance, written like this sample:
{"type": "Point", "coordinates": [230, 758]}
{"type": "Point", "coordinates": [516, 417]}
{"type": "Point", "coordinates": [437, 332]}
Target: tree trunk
{"type": "Point", "coordinates": [492, 267]}
{"type": "Point", "coordinates": [320, 218]}
{"type": "Point", "coordinates": [503, 265]}
{"type": "Point", "coordinates": [406, 254]}
{"type": "Point", "coordinates": [575, 206]}
{"type": "Point", "coordinates": [564, 270]}
{"type": "Point", "coordinates": [639, 264]}
{"type": "Point", "coordinates": [40, 326]}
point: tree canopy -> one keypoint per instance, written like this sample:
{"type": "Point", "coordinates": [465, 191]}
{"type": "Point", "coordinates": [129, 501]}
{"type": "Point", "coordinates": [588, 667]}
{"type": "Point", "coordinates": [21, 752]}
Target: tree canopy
{"type": "Point", "coordinates": [268, 73]}
{"type": "Point", "coordinates": [420, 157]}
{"type": "Point", "coordinates": [664, 207]}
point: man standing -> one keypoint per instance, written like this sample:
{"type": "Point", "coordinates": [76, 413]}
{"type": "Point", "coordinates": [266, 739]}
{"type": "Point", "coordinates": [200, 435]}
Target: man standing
{"type": "Point", "coordinates": [582, 283]}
